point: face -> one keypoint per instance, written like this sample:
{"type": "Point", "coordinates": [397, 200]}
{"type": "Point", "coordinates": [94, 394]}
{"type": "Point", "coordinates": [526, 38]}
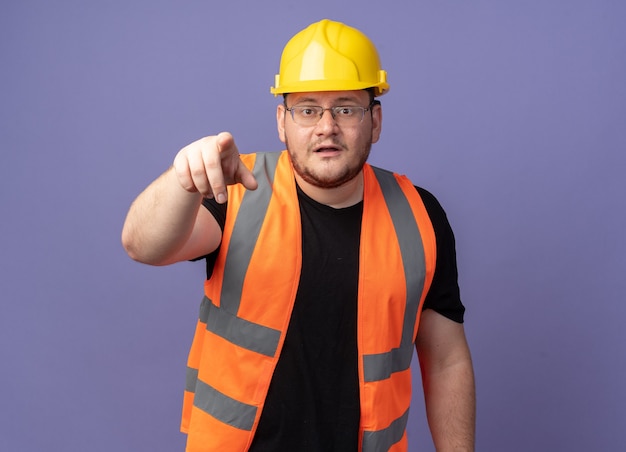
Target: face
{"type": "Point", "coordinates": [328, 155]}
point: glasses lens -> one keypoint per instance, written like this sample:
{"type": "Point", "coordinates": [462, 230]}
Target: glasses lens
{"type": "Point", "coordinates": [348, 115]}
{"type": "Point", "coordinates": [306, 115]}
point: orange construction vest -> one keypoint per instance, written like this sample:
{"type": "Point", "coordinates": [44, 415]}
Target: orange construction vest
{"type": "Point", "coordinates": [249, 297]}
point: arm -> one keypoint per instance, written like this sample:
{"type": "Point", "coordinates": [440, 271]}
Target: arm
{"type": "Point", "coordinates": [165, 224]}
{"type": "Point", "coordinates": [448, 380]}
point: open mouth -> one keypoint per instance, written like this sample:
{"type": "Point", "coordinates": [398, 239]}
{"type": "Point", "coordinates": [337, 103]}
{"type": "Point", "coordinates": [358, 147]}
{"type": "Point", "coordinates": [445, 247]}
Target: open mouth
{"type": "Point", "coordinates": [323, 149]}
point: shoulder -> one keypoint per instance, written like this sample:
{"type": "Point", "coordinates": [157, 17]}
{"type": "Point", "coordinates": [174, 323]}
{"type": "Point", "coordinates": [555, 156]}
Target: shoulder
{"type": "Point", "coordinates": [430, 202]}
{"type": "Point", "coordinates": [437, 214]}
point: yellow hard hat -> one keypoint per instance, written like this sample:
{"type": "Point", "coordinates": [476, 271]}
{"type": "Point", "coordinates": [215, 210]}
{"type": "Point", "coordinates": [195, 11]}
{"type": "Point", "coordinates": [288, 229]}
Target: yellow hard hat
{"type": "Point", "coordinates": [329, 56]}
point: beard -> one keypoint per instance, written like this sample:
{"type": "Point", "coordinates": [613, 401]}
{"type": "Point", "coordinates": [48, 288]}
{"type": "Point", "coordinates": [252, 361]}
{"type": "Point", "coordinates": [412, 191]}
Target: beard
{"type": "Point", "coordinates": [323, 179]}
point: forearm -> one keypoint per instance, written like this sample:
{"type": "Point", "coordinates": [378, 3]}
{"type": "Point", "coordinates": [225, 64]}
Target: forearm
{"type": "Point", "coordinates": [451, 406]}
{"type": "Point", "coordinates": [160, 220]}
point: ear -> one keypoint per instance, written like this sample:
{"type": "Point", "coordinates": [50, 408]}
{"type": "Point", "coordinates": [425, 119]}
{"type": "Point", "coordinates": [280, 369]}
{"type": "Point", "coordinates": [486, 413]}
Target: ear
{"type": "Point", "coordinates": [377, 122]}
{"type": "Point", "coordinates": [280, 122]}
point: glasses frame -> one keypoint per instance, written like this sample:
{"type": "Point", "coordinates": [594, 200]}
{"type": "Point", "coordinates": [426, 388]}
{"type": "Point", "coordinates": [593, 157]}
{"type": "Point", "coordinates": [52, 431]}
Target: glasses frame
{"type": "Point", "coordinates": [332, 110]}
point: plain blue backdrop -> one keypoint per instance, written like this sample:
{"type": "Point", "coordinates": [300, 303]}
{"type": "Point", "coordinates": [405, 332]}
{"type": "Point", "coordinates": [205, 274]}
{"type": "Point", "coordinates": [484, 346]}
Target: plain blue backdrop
{"type": "Point", "coordinates": [512, 113]}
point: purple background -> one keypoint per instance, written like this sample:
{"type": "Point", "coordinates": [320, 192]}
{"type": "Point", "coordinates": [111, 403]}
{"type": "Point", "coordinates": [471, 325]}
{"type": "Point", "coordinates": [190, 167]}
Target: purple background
{"type": "Point", "coordinates": [512, 113]}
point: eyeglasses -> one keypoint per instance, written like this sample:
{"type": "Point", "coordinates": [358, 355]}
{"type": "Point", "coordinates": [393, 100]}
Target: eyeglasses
{"type": "Point", "coordinates": [310, 115]}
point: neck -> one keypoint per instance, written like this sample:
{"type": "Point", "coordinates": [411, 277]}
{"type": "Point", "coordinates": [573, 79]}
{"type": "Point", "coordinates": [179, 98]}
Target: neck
{"type": "Point", "coordinates": [345, 195]}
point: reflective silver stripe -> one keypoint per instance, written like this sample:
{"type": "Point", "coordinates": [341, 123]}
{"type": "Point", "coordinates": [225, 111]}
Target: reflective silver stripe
{"type": "Point", "coordinates": [384, 439]}
{"type": "Point", "coordinates": [246, 230]}
{"type": "Point", "coordinates": [223, 408]}
{"type": "Point", "coordinates": [242, 332]}
{"type": "Point", "coordinates": [380, 366]}
{"type": "Point", "coordinates": [223, 320]}
{"type": "Point", "coordinates": [191, 379]}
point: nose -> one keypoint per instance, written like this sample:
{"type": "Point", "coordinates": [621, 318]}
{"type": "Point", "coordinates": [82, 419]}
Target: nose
{"type": "Point", "coordinates": [327, 122]}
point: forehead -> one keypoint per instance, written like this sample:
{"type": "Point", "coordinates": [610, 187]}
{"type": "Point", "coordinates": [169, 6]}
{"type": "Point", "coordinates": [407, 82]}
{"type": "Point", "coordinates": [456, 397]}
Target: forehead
{"type": "Point", "coordinates": [329, 97]}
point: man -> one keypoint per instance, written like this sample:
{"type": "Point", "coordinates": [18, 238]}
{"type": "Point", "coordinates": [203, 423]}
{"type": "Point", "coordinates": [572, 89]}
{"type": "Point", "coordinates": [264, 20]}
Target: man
{"type": "Point", "coordinates": [323, 273]}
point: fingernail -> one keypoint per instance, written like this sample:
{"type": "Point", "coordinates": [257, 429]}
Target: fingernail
{"type": "Point", "coordinates": [221, 198]}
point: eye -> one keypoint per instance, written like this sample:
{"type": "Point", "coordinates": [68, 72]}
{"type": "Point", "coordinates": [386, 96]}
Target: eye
{"type": "Point", "coordinates": [306, 111]}
{"type": "Point", "coordinates": [344, 111]}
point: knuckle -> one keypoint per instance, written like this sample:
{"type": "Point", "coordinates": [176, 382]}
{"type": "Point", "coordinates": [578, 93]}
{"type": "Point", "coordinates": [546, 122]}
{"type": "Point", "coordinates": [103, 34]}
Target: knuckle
{"type": "Point", "coordinates": [197, 171]}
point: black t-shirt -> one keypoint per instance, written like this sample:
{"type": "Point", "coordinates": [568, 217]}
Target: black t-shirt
{"type": "Point", "coordinates": [313, 399]}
